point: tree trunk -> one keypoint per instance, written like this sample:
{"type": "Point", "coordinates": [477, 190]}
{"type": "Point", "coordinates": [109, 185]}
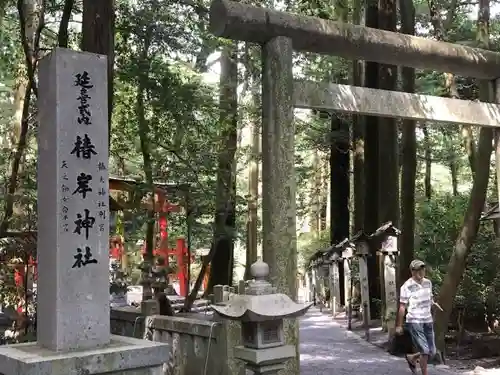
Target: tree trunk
{"type": "Point", "coordinates": [324, 193]}
{"type": "Point", "coordinates": [470, 147]}
{"type": "Point", "coordinates": [468, 233]}
{"type": "Point", "coordinates": [63, 33]}
{"type": "Point", "coordinates": [440, 32]}
{"type": "Point", "coordinates": [315, 196]}
{"type": "Point", "coordinates": [339, 171]}
{"type": "Point", "coordinates": [448, 133]}
{"type": "Point", "coordinates": [371, 168]}
{"type": "Point", "coordinates": [339, 188]}
{"type": "Point", "coordinates": [144, 132]}
{"type": "Point", "coordinates": [358, 134]}
{"type": "Point", "coordinates": [467, 132]}
{"type": "Point", "coordinates": [31, 14]}
{"type": "Point", "coordinates": [496, 133]}
{"type": "Point", "coordinates": [221, 270]}
{"type": "Point", "coordinates": [409, 164]}
{"type": "Point", "coordinates": [428, 162]}
{"type": "Point", "coordinates": [253, 181]}
{"type": "Point", "coordinates": [98, 36]}
{"type": "Point", "coordinates": [388, 178]}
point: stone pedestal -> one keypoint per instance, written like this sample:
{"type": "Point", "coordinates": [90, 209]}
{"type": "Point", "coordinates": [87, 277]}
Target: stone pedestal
{"type": "Point", "coordinates": [265, 361]}
{"type": "Point", "coordinates": [347, 281]}
{"type": "Point", "coordinates": [365, 290]}
{"type": "Point", "coordinates": [330, 285]}
{"type": "Point", "coordinates": [389, 252]}
{"type": "Point", "coordinates": [335, 291]}
{"type": "Point", "coordinates": [314, 283]}
{"type": "Point", "coordinates": [308, 287]}
{"type": "Point", "coordinates": [149, 307]}
{"type": "Point", "coordinates": [391, 301]}
{"type": "Point", "coordinates": [122, 356]}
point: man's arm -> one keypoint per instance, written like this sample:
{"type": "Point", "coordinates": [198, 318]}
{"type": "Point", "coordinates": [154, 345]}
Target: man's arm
{"type": "Point", "coordinates": [403, 301]}
{"type": "Point", "coordinates": [401, 314]}
{"type": "Point", "coordinates": [433, 301]}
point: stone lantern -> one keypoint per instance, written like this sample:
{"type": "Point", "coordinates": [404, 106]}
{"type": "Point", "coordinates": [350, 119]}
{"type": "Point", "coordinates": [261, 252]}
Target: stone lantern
{"type": "Point", "coordinates": [117, 286]}
{"type": "Point", "coordinates": [385, 239]}
{"type": "Point", "coordinates": [159, 276]}
{"type": "Point", "coordinates": [261, 312]}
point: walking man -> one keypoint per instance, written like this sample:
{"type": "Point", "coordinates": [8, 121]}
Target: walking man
{"type": "Point", "coordinates": [417, 300]}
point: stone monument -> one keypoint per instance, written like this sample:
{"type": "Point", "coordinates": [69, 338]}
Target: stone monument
{"type": "Point", "coordinates": [73, 224]}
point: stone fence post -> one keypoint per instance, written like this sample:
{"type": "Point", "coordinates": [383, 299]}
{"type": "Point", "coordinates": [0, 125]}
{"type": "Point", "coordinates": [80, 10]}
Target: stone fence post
{"type": "Point", "coordinates": [231, 330]}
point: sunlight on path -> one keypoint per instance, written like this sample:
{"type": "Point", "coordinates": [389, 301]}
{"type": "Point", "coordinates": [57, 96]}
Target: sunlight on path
{"type": "Point", "coordinates": [327, 348]}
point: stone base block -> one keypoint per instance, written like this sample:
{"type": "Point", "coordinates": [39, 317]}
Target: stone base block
{"type": "Point", "coordinates": [123, 356]}
{"type": "Point", "coordinates": [267, 356]}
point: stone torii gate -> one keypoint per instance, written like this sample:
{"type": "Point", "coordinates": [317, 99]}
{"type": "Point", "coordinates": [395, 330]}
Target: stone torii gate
{"type": "Point", "coordinates": [281, 33]}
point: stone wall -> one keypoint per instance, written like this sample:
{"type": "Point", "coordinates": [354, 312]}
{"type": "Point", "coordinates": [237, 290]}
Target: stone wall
{"type": "Point", "coordinates": [201, 344]}
{"type": "Point", "coordinates": [127, 321]}
{"type": "Point", "coordinates": [197, 344]}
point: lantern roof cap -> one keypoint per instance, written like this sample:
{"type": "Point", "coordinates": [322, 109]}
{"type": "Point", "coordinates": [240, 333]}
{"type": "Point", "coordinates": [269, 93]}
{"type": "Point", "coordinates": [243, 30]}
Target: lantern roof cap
{"type": "Point", "coordinates": [258, 308]}
{"type": "Point", "coordinates": [360, 236]}
{"type": "Point", "coordinates": [260, 301]}
{"type": "Point", "coordinates": [386, 229]}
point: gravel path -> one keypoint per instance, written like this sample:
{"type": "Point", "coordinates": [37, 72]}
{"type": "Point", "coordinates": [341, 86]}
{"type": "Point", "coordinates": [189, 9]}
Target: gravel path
{"type": "Point", "coordinates": [327, 348]}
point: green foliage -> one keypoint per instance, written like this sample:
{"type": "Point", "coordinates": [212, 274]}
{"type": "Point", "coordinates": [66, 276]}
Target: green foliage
{"type": "Point", "coordinates": [165, 45]}
{"type": "Point", "coordinates": [438, 224]}
{"type": "Point", "coordinates": [309, 243]}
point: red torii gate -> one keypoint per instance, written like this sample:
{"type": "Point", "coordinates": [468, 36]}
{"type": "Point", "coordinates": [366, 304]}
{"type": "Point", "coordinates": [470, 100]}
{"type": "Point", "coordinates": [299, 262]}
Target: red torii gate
{"type": "Point", "coordinates": [180, 252]}
{"type": "Point", "coordinates": [116, 247]}
{"type": "Point", "coordinates": [162, 206]}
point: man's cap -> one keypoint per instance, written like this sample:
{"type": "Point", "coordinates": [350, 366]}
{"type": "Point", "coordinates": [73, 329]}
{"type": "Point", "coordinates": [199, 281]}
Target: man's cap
{"type": "Point", "coordinates": [416, 264]}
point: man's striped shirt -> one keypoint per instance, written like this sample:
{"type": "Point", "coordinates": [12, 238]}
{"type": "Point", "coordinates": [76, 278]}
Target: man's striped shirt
{"type": "Point", "coordinates": [418, 299]}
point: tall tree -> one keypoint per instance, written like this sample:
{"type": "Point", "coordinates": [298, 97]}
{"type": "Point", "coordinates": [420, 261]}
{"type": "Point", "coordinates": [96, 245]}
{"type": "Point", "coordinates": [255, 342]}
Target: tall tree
{"type": "Point", "coordinates": [147, 159]}
{"type": "Point", "coordinates": [339, 170]}
{"type": "Point", "coordinates": [98, 36]}
{"type": "Point", "coordinates": [388, 150]}
{"type": "Point", "coordinates": [339, 188]}
{"type": "Point", "coordinates": [371, 167]}
{"type": "Point", "coordinates": [225, 206]}
{"type": "Point", "coordinates": [409, 148]}
{"type": "Point", "coordinates": [253, 167]}
{"type": "Point", "coordinates": [358, 135]}
{"type": "Point", "coordinates": [428, 162]}
{"type": "Point", "coordinates": [31, 21]}
{"type": "Point", "coordinates": [441, 29]}
{"type": "Point", "coordinates": [470, 226]}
